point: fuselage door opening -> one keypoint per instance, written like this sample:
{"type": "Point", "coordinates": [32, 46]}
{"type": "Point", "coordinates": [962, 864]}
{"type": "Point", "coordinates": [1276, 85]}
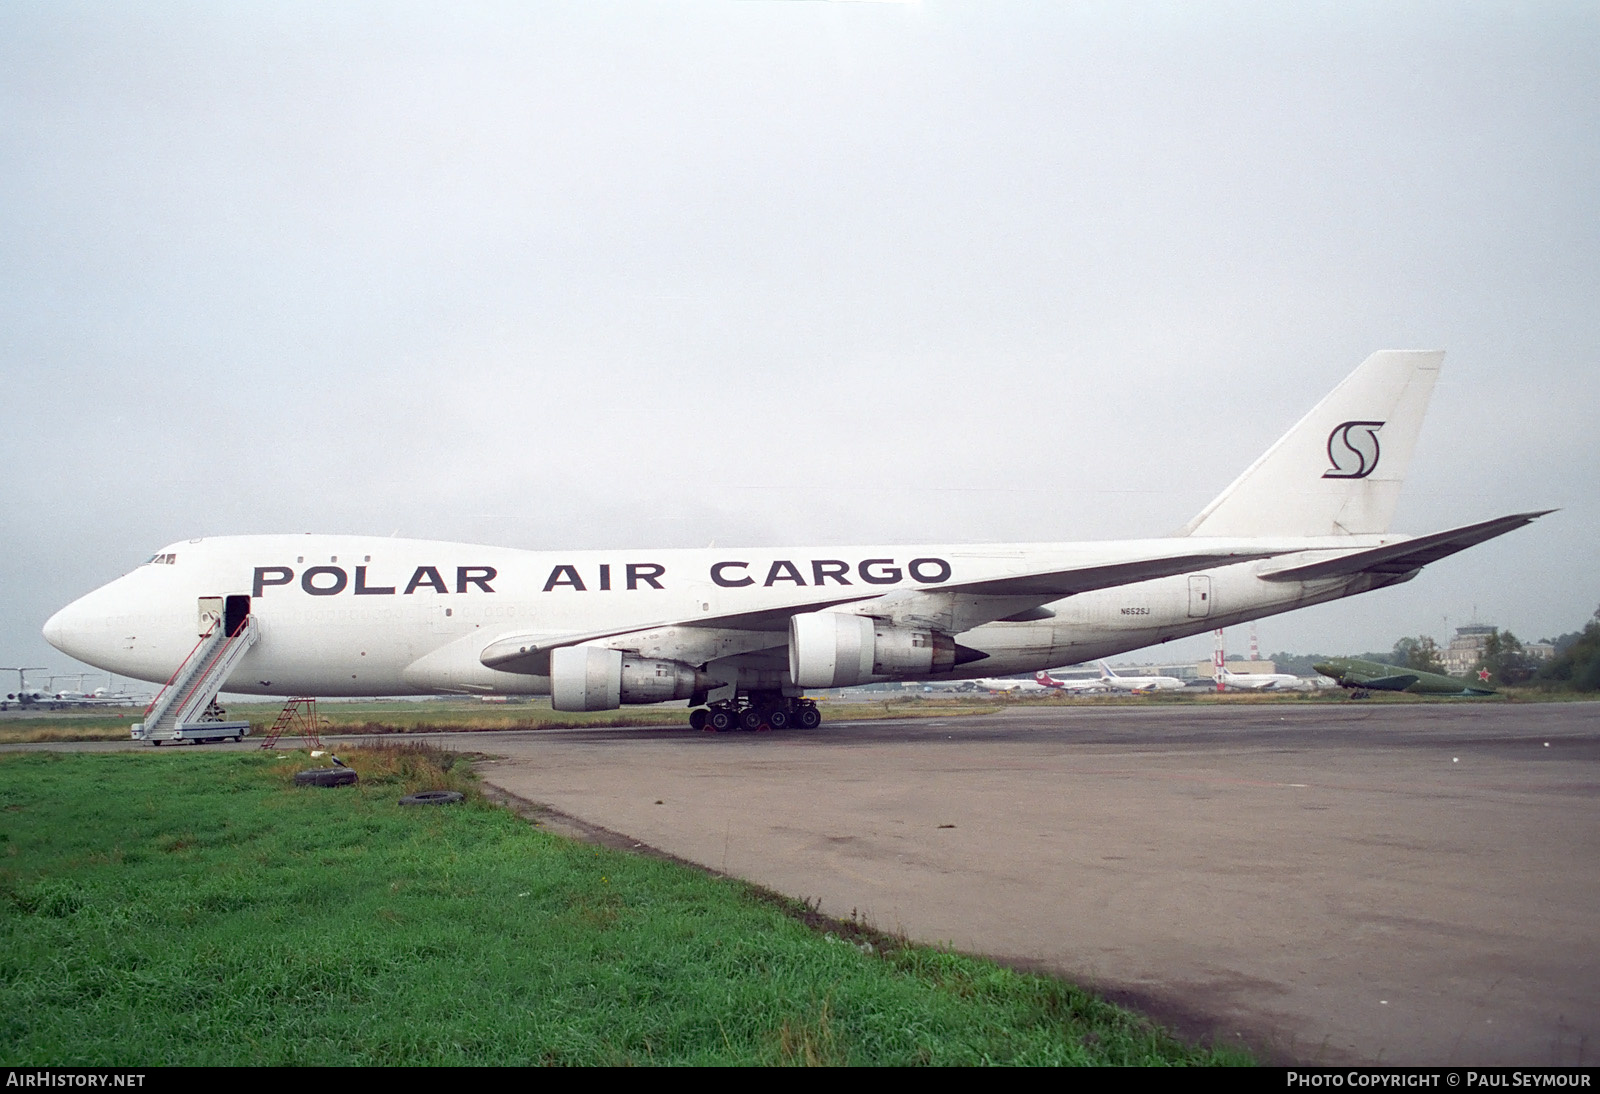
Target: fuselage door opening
{"type": "Point", "coordinates": [235, 611]}
{"type": "Point", "coordinates": [230, 611]}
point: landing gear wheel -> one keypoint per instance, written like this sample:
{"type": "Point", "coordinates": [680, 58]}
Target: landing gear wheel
{"type": "Point", "coordinates": [808, 717]}
{"type": "Point", "coordinates": [750, 719]}
{"type": "Point", "coordinates": [697, 719]}
{"type": "Point", "coordinates": [776, 717]}
{"type": "Point", "coordinates": [719, 721]}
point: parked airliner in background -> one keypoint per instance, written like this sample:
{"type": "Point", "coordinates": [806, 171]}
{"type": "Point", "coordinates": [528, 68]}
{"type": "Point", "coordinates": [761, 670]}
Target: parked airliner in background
{"type": "Point", "coordinates": [1071, 687]}
{"type": "Point", "coordinates": [99, 697]}
{"type": "Point", "coordinates": [1138, 683]}
{"type": "Point", "coordinates": [24, 696]}
{"type": "Point", "coordinates": [991, 684]}
{"type": "Point", "coordinates": [743, 633]}
{"type": "Point", "coordinates": [1259, 681]}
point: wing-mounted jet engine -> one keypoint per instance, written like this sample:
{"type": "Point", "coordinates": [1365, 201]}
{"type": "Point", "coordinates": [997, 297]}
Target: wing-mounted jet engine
{"type": "Point", "coordinates": [595, 678]}
{"type": "Point", "coordinates": [834, 650]}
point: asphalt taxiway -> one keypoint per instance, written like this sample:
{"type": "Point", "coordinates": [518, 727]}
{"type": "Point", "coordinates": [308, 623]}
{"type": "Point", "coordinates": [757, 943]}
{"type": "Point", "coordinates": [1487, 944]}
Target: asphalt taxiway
{"type": "Point", "coordinates": [1328, 883]}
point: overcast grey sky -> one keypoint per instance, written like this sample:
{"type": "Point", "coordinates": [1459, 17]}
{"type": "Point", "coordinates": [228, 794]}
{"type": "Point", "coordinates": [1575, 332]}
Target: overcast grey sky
{"type": "Point", "coordinates": [585, 274]}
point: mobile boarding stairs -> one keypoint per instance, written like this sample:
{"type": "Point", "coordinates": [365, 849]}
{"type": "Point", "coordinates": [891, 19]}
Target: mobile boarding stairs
{"type": "Point", "coordinates": [186, 709]}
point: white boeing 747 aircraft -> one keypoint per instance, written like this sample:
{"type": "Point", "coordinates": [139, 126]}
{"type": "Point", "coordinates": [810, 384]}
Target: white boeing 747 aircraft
{"type": "Point", "coordinates": [743, 633]}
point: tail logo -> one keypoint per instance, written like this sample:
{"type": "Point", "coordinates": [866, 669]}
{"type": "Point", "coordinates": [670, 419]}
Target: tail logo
{"type": "Point", "coordinates": [1353, 450]}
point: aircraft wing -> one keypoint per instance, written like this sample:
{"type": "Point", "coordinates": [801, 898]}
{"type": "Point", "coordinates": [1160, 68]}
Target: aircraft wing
{"type": "Point", "coordinates": [530, 653]}
{"type": "Point", "coordinates": [1398, 559]}
{"type": "Point", "coordinates": [959, 606]}
{"type": "Point", "coordinates": [951, 607]}
{"type": "Point", "coordinates": [1057, 584]}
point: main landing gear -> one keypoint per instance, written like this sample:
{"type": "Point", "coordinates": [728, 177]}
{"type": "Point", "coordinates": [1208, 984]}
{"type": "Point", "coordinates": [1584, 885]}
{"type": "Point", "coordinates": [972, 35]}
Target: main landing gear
{"type": "Point", "coordinates": [756, 712]}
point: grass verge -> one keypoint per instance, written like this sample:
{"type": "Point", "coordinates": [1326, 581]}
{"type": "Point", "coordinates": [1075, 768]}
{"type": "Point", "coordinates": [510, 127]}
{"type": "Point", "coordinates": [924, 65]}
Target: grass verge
{"type": "Point", "coordinates": [198, 908]}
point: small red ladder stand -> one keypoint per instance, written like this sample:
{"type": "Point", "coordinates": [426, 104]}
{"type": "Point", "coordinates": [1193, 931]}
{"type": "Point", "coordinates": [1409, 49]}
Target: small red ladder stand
{"type": "Point", "coordinates": [298, 718]}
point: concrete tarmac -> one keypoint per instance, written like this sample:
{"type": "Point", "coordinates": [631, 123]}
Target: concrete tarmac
{"type": "Point", "coordinates": [1325, 883]}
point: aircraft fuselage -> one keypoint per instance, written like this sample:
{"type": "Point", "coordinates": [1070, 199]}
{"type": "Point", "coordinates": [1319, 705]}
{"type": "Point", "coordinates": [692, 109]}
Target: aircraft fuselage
{"type": "Point", "coordinates": [351, 615]}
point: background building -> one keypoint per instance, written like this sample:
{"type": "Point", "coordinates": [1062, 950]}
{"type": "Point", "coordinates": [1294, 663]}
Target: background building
{"type": "Point", "coordinates": [1466, 648]}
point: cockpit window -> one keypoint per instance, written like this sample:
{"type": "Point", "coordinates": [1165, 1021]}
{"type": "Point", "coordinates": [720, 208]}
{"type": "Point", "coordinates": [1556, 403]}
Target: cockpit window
{"type": "Point", "coordinates": [162, 560]}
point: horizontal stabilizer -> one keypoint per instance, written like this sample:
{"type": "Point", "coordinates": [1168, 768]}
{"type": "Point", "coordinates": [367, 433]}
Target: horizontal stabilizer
{"type": "Point", "coordinates": [1398, 559]}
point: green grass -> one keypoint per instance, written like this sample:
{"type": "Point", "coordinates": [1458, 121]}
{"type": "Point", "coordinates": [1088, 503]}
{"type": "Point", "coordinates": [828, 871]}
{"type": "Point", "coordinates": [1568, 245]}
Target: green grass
{"type": "Point", "coordinates": [198, 908]}
{"type": "Point", "coordinates": [377, 716]}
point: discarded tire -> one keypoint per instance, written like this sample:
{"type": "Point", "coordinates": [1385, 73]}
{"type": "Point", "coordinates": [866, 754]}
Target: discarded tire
{"type": "Point", "coordinates": [325, 776]}
{"type": "Point", "coordinates": [433, 797]}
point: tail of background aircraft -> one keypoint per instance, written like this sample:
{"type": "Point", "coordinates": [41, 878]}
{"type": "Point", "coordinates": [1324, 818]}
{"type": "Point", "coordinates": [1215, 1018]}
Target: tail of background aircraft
{"type": "Point", "coordinates": [1339, 470]}
{"type": "Point", "coordinates": [1105, 672]}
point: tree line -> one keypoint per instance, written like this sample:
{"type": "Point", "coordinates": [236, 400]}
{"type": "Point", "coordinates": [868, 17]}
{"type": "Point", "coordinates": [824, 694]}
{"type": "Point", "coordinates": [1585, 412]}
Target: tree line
{"type": "Point", "coordinates": [1575, 667]}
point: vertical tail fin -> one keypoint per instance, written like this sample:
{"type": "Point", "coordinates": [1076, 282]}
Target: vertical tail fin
{"type": "Point", "coordinates": [1339, 470]}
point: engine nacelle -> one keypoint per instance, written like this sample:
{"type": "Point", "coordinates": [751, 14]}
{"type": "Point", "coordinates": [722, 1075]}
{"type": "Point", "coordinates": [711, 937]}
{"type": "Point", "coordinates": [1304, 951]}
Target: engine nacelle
{"type": "Point", "coordinates": [829, 650]}
{"type": "Point", "coordinates": [592, 678]}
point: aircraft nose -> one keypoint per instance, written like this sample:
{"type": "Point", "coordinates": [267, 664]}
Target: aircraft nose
{"type": "Point", "coordinates": [99, 629]}
{"type": "Point", "coordinates": [73, 630]}
{"type": "Point", "coordinates": [55, 629]}
{"type": "Point", "coordinates": [60, 629]}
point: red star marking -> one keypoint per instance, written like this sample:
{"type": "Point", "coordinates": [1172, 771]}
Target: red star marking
{"type": "Point", "coordinates": [1483, 674]}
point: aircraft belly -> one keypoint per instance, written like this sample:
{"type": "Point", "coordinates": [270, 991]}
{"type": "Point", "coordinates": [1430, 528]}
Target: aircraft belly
{"type": "Point", "coordinates": [150, 660]}
{"type": "Point", "coordinates": [1094, 625]}
{"type": "Point", "coordinates": [1011, 647]}
{"type": "Point", "coordinates": [454, 667]}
